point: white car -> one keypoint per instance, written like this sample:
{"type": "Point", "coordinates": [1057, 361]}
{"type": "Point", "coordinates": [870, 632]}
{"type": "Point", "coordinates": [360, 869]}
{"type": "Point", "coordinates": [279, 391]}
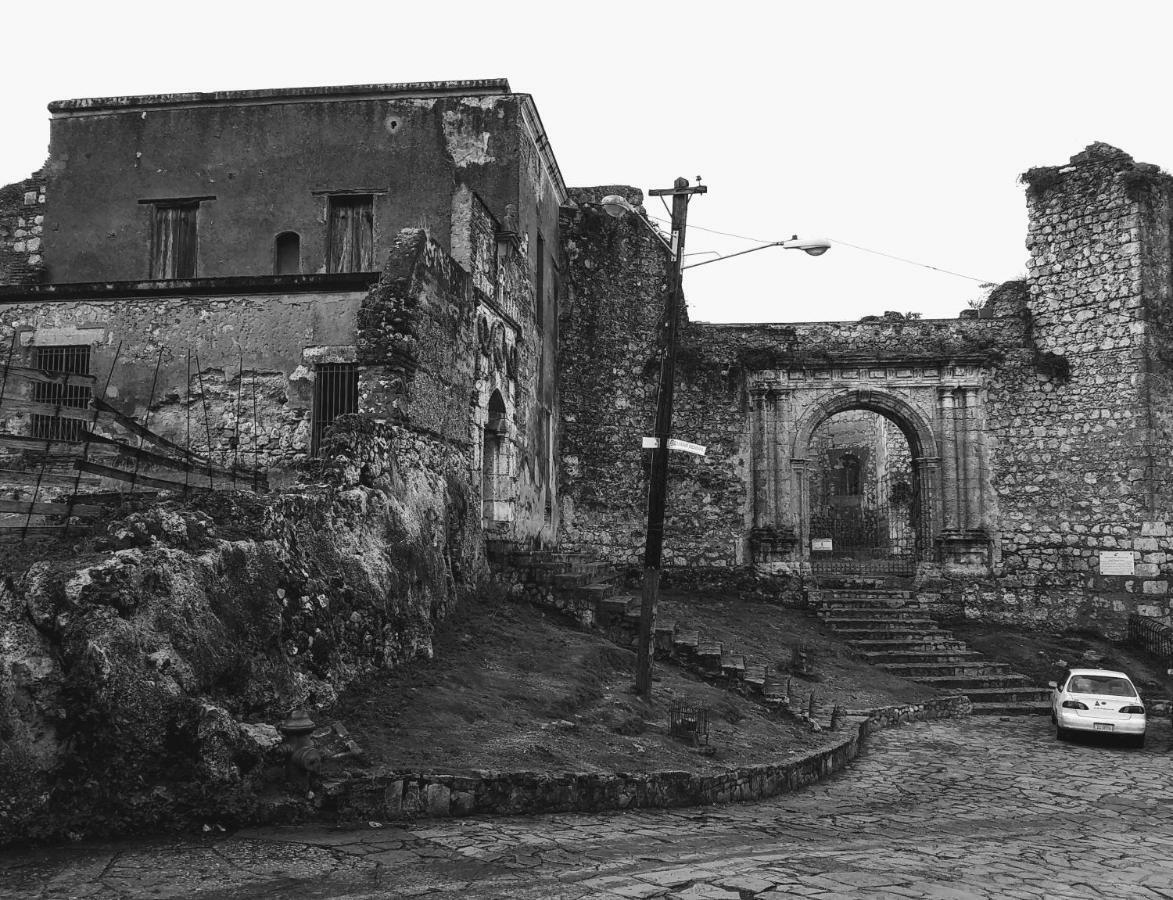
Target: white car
{"type": "Point", "coordinates": [1098, 700]}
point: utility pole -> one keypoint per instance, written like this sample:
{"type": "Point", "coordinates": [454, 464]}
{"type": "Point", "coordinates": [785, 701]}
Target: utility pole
{"type": "Point", "coordinates": [658, 481]}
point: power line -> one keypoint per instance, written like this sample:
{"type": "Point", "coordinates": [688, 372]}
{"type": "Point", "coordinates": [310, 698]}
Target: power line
{"type": "Point", "coordinates": [911, 262]}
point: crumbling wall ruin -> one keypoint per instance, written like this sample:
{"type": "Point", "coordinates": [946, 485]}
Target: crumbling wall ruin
{"type": "Point", "coordinates": [22, 218]}
{"type": "Point", "coordinates": [1043, 419]}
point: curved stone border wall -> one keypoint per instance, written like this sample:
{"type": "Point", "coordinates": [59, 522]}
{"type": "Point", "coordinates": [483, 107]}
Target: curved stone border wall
{"type": "Point", "coordinates": [402, 795]}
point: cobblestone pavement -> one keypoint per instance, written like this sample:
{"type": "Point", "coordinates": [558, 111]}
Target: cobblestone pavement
{"type": "Point", "coordinates": [960, 809]}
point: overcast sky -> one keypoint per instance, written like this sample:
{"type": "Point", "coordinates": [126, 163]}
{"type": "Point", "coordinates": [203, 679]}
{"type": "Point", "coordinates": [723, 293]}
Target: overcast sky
{"type": "Point", "coordinates": [900, 127]}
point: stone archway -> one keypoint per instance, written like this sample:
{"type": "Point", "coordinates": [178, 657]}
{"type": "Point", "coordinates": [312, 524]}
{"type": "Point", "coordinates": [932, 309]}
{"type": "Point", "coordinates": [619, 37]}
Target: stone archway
{"type": "Point", "coordinates": [922, 446]}
{"type": "Point", "coordinates": [939, 409]}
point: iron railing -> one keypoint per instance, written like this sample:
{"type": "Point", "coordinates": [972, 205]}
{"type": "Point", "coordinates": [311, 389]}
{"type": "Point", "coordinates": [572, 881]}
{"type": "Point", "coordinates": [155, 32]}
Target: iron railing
{"type": "Point", "coordinates": [1151, 634]}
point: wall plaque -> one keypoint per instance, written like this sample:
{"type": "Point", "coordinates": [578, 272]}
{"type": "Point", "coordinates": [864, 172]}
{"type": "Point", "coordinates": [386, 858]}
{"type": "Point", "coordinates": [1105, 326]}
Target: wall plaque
{"type": "Point", "coordinates": [822, 544]}
{"type": "Point", "coordinates": [1117, 562]}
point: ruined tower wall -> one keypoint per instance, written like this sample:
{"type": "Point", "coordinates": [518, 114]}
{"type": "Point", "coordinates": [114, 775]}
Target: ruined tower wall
{"type": "Point", "coordinates": [22, 219]}
{"type": "Point", "coordinates": [1077, 446]}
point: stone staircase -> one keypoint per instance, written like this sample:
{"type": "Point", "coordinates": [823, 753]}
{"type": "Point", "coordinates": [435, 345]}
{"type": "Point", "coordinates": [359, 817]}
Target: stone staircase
{"type": "Point", "coordinates": [573, 583]}
{"type": "Point", "coordinates": [893, 629]}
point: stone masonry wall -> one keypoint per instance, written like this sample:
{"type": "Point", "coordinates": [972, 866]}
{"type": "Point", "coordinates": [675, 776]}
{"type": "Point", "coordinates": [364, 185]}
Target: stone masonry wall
{"type": "Point", "coordinates": [200, 345]}
{"type": "Point", "coordinates": [608, 321]}
{"type": "Point", "coordinates": [1079, 464]}
{"type": "Point", "coordinates": [22, 216]}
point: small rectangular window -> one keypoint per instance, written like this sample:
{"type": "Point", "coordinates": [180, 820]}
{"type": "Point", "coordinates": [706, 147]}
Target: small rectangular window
{"type": "Point", "coordinates": [350, 233]}
{"type": "Point", "coordinates": [173, 239]}
{"type": "Point", "coordinates": [335, 394]}
{"type": "Point", "coordinates": [72, 360]}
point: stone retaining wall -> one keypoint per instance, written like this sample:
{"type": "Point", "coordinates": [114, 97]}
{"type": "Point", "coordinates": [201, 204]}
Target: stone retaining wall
{"type": "Point", "coordinates": [409, 795]}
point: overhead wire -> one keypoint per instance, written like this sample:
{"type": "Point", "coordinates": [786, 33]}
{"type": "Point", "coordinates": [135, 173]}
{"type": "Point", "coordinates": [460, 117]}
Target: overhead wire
{"type": "Point", "coordinates": [911, 262]}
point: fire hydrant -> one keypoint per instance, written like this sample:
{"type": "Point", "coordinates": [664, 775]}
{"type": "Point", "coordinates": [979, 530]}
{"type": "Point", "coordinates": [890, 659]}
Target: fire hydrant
{"type": "Point", "coordinates": [302, 758]}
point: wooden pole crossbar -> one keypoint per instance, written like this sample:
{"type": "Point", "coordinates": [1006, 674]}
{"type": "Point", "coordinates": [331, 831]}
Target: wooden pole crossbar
{"type": "Point", "coordinates": [39, 375]}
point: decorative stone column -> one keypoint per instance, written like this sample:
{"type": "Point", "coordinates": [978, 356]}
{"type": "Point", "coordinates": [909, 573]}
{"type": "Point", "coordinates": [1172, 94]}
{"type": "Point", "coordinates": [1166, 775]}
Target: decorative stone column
{"type": "Point", "coordinates": [771, 537]}
{"type": "Point", "coordinates": [963, 541]}
{"type": "Point", "coordinates": [947, 415]}
{"type": "Point", "coordinates": [974, 475]}
{"type": "Point", "coordinates": [928, 471]}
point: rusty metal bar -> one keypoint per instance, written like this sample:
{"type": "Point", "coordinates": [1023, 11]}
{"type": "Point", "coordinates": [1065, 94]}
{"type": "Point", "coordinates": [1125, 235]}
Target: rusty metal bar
{"type": "Point", "coordinates": [146, 418]}
{"type": "Point", "coordinates": [204, 403]}
{"type": "Point", "coordinates": [236, 423]}
{"type": "Point", "coordinates": [85, 450]}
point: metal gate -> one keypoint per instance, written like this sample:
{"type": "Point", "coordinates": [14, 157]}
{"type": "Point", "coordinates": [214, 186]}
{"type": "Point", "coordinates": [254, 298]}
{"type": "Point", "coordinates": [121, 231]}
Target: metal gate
{"type": "Point", "coordinates": [861, 540]}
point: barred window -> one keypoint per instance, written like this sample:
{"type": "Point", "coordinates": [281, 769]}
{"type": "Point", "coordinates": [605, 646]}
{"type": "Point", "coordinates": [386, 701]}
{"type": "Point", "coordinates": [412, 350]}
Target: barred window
{"type": "Point", "coordinates": [72, 360]}
{"type": "Point", "coordinates": [335, 394]}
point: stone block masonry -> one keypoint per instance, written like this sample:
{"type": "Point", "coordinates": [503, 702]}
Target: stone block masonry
{"type": "Point", "coordinates": [1038, 430]}
{"type": "Point", "coordinates": [22, 217]}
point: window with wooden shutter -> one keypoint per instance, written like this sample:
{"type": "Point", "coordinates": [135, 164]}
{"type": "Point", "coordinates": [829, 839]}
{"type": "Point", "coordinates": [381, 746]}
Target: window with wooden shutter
{"type": "Point", "coordinates": [350, 233]}
{"type": "Point", "coordinates": [68, 360]}
{"type": "Point", "coordinates": [173, 239]}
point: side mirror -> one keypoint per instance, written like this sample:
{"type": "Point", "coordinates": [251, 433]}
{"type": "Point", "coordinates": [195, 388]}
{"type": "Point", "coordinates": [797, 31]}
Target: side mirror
{"type": "Point", "coordinates": [1052, 685]}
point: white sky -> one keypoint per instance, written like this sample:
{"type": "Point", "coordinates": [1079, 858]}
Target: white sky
{"type": "Point", "coordinates": [896, 126]}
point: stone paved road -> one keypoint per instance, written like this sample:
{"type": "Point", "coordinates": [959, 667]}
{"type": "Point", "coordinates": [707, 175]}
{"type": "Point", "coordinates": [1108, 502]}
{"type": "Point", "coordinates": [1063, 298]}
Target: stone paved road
{"type": "Point", "coordinates": [963, 809]}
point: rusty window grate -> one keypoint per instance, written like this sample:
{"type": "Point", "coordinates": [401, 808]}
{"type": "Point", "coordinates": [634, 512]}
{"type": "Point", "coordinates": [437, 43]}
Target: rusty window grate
{"type": "Point", "coordinates": [335, 394]}
{"type": "Point", "coordinates": [72, 360]}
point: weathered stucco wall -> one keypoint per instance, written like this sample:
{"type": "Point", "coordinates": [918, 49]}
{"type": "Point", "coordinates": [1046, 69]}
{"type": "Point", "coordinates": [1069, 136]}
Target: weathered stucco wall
{"type": "Point", "coordinates": [274, 338]}
{"type": "Point", "coordinates": [269, 163]}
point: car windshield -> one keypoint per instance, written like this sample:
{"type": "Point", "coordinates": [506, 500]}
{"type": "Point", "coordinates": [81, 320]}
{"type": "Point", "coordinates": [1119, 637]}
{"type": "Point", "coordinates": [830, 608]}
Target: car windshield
{"type": "Point", "coordinates": [1111, 685]}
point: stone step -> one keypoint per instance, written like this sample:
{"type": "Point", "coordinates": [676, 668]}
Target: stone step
{"type": "Point", "coordinates": [967, 684]}
{"type": "Point", "coordinates": [1027, 708]}
{"type": "Point", "coordinates": [847, 623]}
{"type": "Point", "coordinates": [959, 654]}
{"type": "Point", "coordinates": [523, 558]}
{"type": "Point", "coordinates": [596, 572]}
{"type": "Point", "coordinates": [868, 603]}
{"type": "Point", "coordinates": [901, 635]}
{"type": "Point", "coordinates": [873, 614]}
{"type": "Point", "coordinates": [1004, 695]}
{"type": "Point", "coordinates": [937, 668]}
{"type": "Point", "coordinates": [866, 594]}
{"type": "Point", "coordinates": [940, 641]}
{"type": "Point", "coordinates": [599, 592]}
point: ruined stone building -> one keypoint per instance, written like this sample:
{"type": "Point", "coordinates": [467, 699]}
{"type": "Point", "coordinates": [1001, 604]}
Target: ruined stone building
{"type": "Point", "coordinates": [215, 259]}
{"type": "Point", "coordinates": [240, 269]}
{"type": "Point", "coordinates": [1015, 460]}
{"type": "Point", "coordinates": [382, 303]}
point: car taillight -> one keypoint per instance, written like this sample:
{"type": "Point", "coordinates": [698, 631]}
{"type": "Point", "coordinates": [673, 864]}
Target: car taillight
{"type": "Point", "coordinates": [1132, 709]}
{"type": "Point", "coordinates": [1074, 704]}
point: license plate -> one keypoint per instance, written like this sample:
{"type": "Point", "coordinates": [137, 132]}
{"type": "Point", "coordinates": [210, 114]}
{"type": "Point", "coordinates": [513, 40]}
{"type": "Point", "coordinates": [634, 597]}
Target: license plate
{"type": "Point", "coordinates": [1103, 726]}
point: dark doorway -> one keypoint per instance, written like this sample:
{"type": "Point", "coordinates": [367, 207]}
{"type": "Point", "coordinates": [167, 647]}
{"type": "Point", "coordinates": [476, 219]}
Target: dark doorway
{"type": "Point", "coordinates": [863, 503]}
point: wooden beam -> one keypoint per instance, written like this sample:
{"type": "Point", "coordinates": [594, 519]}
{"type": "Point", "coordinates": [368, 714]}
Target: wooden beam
{"type": "Point", "coordinates": [38, 375]}
{"type": "Point", "coordinates": [48, 509]}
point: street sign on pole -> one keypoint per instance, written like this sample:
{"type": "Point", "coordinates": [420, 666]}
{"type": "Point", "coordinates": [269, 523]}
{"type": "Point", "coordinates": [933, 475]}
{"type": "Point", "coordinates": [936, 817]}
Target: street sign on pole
{"type": "Point", "coordinates": [652, 443]}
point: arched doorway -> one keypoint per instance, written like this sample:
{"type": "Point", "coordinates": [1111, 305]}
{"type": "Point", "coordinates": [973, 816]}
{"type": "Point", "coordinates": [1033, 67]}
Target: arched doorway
{"type": "Point", "coordinates": [865, 469]}
{"type": "Point", "coordinates": [864, 514]}
{"type": "Point", "coordinates": [494, 464]}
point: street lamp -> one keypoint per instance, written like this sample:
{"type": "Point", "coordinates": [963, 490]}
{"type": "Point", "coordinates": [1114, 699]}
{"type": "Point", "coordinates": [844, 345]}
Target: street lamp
{"type": "Point", "coordinates": [617, 206]}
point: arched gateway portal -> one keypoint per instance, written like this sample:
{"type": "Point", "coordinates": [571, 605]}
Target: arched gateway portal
{"type": "Point", "coordinates": [939, 416]}
{"type": "Point", "coordinates": [849, 526]}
